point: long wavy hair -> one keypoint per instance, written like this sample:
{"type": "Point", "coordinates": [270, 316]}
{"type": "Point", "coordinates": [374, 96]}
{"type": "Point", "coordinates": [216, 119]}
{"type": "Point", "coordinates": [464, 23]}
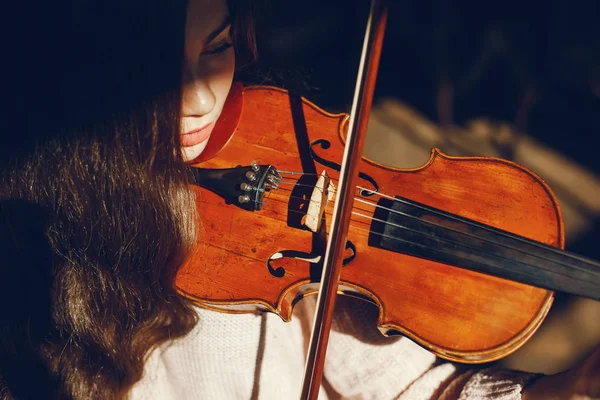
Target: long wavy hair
{"type": "Point", "coordinates": [95, 211]}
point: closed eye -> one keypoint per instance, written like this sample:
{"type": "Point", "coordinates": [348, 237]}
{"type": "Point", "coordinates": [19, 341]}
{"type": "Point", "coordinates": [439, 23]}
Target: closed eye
{"type": "Point", "coordinates": [219, 49]}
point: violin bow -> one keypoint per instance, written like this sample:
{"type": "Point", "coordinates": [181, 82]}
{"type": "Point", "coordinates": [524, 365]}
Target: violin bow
{"type": "Point", "coordinates": [342, 211]}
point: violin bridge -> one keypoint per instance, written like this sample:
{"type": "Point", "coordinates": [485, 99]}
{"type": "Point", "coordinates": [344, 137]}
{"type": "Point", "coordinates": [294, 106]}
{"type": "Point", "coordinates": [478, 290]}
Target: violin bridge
{"type": "Point", "coordinates": [321, 195]}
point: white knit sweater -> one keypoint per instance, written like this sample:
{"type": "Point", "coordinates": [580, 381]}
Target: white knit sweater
{"type": "Point", "coordinates": [261, 357]}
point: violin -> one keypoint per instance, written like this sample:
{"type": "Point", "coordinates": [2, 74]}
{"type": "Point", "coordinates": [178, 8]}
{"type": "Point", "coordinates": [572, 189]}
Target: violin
{"type": "Point", "coordinates": [462, 255]}
{"type": "Point", "coordinates": [424, 244]}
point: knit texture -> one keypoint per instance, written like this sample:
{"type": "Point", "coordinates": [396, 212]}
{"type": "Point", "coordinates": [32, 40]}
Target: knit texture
{"type": "Point", "coordinates": [261, 357]}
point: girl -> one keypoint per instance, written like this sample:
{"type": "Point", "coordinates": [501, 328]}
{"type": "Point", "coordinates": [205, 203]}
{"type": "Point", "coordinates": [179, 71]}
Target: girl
{"type": "Point", "coordinates": [108, 101]}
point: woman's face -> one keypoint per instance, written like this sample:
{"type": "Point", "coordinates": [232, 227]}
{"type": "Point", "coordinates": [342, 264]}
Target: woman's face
{"type": "Point", "coordinates": [208, 68]}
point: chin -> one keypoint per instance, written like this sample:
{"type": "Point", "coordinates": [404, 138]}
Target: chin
{"type": "Point", "coordinates": [192, 152]}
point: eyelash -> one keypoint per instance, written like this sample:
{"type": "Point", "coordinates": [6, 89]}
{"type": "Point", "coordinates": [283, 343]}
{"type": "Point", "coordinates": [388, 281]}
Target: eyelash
{"type": "Point", "coordinates": [219, 50]}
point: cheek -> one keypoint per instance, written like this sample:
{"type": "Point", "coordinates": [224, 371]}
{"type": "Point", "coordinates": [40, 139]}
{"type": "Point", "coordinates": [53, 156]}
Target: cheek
{"type": "Point", "coordinates": [222, 78]}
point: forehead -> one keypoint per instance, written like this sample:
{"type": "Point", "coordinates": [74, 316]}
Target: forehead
{"type": "Point", "coordinates": [203, 17]}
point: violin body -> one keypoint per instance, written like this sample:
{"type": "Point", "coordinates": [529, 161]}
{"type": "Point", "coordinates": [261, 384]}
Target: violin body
{"type": "Point", "coordinates": [268, 259]}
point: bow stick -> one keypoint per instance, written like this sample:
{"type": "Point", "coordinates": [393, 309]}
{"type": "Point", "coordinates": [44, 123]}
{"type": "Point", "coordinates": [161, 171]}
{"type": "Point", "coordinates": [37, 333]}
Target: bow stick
{"type": "Point", "coordinates": [332, 265]}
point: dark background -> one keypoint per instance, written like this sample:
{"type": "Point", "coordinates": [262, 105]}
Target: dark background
{"type": "Point", "coordinates": [534, 64]}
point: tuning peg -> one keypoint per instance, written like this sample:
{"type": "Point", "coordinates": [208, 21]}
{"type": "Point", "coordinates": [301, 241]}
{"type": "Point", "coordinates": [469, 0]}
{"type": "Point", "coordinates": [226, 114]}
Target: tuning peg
{"type": "Point", "coordinates": [244, 198]}
{"type": "Point", "coordinates": [251, 176]}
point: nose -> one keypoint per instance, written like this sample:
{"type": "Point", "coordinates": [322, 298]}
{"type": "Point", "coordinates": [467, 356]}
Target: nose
{"type": "Point", "coordinates": [197, 98]}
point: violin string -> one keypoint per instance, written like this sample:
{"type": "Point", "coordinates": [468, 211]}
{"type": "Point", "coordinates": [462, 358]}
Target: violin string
{"type": "Point", "coordinates": [442, 241]}
{"type": "Point", "coordinates": [304, 213]}
{"type": "Point", "coordinates": [446, 241]}
{"type": "Point", "coordinates": [505, 246]}
{"type": "Point", "coordinates": [295, 183]}
{"type": "Point", "coordinates": [328, 205]}
{"type": "Point", "coordinates": [489, 229]}
{"type": "Point", "coordinates": [297, 173]}
{"type": "Point", "coordinates": [533, 243]}
{"type": "Point", "coordinates": [409, 242]}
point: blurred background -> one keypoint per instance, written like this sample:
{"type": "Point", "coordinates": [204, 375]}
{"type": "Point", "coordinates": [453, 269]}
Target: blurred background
{"type": "Point", "coordinates": [514, 79]}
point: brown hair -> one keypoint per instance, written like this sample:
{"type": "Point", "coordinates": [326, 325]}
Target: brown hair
{"type": "Point", "coordinates": [95, 211]}
{"type": "Point", "coordinates": [243, 32]}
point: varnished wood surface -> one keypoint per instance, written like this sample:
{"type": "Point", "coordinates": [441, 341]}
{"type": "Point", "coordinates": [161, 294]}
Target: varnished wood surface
{"type": "Point", "coordinates": [459, 315]}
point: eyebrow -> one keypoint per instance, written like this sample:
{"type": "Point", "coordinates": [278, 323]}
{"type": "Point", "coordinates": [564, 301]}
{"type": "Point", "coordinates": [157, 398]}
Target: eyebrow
{"type": "Point", "coordinates": [226, 22]}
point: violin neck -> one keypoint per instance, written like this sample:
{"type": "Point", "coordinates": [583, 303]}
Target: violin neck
{"type": "Point", "coordinates": [425, 232]}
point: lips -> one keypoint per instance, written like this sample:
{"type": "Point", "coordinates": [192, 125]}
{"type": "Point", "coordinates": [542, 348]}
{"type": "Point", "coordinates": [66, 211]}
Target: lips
{"type": "Point", "coordinates": [197, 136]}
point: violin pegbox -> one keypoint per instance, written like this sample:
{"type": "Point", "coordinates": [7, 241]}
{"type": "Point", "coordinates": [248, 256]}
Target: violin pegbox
{"type": "Point", "coordinates": [244, 186]}
{"type": "Point", "coordinates": [260, 179]}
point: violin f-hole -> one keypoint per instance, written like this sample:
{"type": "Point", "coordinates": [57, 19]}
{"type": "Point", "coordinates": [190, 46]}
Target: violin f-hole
{"type": "Point", "coordinates": [312, 258]}
{"type": "Point", "coordinates": [326, 144]}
